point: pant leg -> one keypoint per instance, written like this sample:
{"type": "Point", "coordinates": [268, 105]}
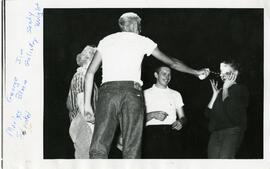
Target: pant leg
{"type": "Point", "coordinates": [83, 141]}
{"type": "Point", "coordinates": [152, 147]}
{"type": "Point", "coordinates": [131, 122]}
{"type": "Point", "coordinates": [165, 147]}
{"type": "Point", "coordinates": [173, 144]}
{"type": "Point", "coordinates": [231, 140]}
{"type": "Point", "coordinates": [105, 123]}
{"type": "Point", "coordinates": [214, 145]}
{"type": "Point", "coordinates": [81, 135]}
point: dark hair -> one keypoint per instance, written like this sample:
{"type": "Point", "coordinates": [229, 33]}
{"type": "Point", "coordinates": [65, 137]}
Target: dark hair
{"type": "Point", "coordinates": [235, 64]}
{"type": "Point", "coordinates": [157, 70]}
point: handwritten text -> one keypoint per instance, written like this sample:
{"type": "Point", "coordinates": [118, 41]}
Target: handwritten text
{"type": "Point", "coordinates": [33, 18]}
{"type": "Point", "coordinates": [17, 90]}
{"type": "Point", "coordinates": [20, 124]}
{"type": "Point", "coordinates": [25, 55]}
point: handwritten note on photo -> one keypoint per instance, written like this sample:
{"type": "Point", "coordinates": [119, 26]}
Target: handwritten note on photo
{"type": "Point", "coordinates": [23, 86]}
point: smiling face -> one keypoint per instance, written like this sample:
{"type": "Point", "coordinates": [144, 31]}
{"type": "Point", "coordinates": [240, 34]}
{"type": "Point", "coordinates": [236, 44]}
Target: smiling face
{"type": "Point", "coordinates": [226, 70]}
{"type": "Point", "coordinates": [163, 77]}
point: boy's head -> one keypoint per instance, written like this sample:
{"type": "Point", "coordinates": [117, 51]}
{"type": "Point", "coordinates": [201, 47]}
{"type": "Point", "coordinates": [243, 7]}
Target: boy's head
{"type": "Point", "coordinates": [163, 76]}
{"type": "Point", "coordinates": [86, 56]}
{"type": "Point", "coordinates": [227, 67]}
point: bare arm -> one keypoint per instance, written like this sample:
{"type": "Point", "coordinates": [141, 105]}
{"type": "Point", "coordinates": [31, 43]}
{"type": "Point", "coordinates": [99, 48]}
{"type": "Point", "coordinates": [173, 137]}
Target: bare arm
{"type": "Point", "coordinates": [159, 115]}
{"type": "Point", "coordinates": [149, 116]}
{"type": "Point", "coordinates": [180, 112]}
{"type": "Point", "coordinates": [212, 101]}
{"type": "Point", "coordinates": [178, 124]}
{"type": "Point", "coordinates": [88, 85]}
{"type": "Point", "coordinates": [174, 63]}
{"type": "Point", "coordinates": [214, 85]}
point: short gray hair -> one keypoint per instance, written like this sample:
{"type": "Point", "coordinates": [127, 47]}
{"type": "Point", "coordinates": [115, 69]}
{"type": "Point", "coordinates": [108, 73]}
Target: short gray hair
{"type": "Point", "coordinates": [127, 18]}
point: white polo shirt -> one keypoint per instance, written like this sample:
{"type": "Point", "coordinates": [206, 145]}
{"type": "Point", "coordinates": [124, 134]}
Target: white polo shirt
{"type": "Point", "coordinates": [122, 54]}
{"type": "Point", "coordinates": [167, 100]}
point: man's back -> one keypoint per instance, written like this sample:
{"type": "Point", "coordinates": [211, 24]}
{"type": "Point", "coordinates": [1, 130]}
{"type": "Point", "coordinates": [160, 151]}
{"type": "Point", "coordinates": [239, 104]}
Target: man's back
{"type": "Point", "coordinates": [122, 54]}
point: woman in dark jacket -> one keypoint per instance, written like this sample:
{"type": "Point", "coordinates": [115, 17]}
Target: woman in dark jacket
{"type": "Point", "coordinates": [227, 113]}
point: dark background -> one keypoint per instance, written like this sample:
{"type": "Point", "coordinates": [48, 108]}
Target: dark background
{"type": "Point", "coordinates": [199, 37]}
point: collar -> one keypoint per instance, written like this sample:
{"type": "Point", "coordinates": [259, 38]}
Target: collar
{"type": "Point", "coordinates": [161, 89]}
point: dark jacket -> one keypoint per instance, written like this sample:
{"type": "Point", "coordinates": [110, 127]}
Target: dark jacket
{"type": "Point", "coordinates": [232, 112]}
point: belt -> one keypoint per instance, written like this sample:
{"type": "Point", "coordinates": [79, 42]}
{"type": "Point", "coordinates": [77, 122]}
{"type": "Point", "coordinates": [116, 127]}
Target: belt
{"type": "Point", "coordinates": [135, 85]}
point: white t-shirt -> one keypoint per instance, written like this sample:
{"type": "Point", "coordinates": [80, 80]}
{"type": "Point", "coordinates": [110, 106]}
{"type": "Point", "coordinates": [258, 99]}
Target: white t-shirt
{"type": "Point", "coordinates": [167, 100]}
{"type": "Point", "coordinates": [122, 54]}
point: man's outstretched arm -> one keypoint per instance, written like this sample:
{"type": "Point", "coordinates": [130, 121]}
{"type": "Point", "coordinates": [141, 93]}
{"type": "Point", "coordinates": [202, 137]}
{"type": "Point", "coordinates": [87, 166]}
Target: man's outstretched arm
{"type": "Point", "coordinates": [177, 64]}
{"type": "Point", "coordinates": [88, 86]}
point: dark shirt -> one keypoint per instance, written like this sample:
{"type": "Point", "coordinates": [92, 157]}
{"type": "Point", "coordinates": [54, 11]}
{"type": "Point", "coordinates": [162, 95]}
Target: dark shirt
{"type": "Point", "coordinates": [231, 112]}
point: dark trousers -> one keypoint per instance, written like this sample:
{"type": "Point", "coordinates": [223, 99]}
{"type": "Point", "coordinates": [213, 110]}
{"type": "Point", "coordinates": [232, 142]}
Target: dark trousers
{"type": "Point", "coordinates": [161, 141]}
{"type": "Point", "coordinates": [224, 144]}
{"type": "Point", "coordinates": [119, 102]}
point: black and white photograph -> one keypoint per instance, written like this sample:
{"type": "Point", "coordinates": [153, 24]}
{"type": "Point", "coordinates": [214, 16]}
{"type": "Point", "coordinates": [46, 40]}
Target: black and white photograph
{"type": "Point", "coordinates": [153, 83]}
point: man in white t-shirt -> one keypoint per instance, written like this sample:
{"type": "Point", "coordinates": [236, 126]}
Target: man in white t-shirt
{"type": "Point", "coordinates": [120, 97]}
{"type": "Point", "coordinates": [164, 117]}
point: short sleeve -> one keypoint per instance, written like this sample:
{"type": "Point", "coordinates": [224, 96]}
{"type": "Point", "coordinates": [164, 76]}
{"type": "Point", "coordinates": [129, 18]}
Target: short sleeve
{"type": "Point", "coordinates": [148, 45]}
{"type": "Point", "coordinates": [178, 100]}
{"type": "Point", "coordinates": [100, 46]}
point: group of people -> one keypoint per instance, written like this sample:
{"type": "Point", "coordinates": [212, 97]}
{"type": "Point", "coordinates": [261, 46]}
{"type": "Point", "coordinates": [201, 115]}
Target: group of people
{"type": "Point", "coordinates": [150, 119]}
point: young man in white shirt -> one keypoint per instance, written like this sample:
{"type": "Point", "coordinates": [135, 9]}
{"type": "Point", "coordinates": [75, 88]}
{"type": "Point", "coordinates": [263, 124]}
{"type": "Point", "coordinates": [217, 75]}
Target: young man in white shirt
{"type": "Point", "coordinates": [120, 97]}
{"type": "Point", "coordinates": [164, 117]}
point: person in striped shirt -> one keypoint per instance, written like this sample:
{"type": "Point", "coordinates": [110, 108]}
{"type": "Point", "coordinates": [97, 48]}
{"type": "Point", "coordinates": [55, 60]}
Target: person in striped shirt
{"type": "Point", "coordinates": [80, 129]}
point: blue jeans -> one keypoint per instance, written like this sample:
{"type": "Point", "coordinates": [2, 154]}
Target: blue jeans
{"type": "Point", "coordinates": [119, 102]}
{"type": "Point", "coordinates": [224, 144]}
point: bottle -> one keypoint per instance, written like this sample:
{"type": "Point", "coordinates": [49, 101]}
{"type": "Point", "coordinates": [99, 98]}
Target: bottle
{"type": "Point", "coordinates": [204, 74]}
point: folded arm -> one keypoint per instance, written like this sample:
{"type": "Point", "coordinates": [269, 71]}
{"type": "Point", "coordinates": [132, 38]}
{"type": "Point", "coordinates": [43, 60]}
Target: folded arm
{"type": "Point", "coordinates": [159, 115]}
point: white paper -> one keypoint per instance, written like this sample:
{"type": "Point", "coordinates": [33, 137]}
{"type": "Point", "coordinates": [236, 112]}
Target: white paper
{"type": "Point", "coordinates": [23, 86]}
